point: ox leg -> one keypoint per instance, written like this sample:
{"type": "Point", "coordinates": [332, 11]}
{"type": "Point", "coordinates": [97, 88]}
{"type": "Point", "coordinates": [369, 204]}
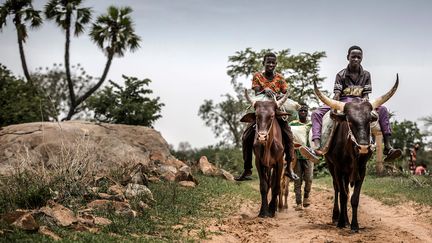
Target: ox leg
{"type": "Point", "coordinates": [264, 187]}
{"type": "Point", "coordinates": [354, 204]}
{"type": "Point", "coordinates": [335, 216]}
{"type": "Point", "coordinates": [275, 177]}
{"type": "Point", "coordinates": [343, 199]}
{"type": "Point", "coordinates": [355, 198]}
{"type": "Point", "coordinates": [286, 192]}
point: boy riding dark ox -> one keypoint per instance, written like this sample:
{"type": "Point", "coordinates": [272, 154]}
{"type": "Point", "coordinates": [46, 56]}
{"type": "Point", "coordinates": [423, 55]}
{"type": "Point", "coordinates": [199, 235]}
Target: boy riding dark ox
{"type": "Point", "coordinates": [349, 150]}
{"type": "Point", "coordinates": [268, 148]}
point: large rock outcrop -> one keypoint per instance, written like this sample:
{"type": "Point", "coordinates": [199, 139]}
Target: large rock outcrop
{"type": "Point", "coordinates": [109, 144]}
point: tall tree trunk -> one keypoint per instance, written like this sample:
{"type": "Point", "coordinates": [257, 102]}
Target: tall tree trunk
{"type": "Point", "coordinates": [21, 50]}
{"type": "Point", "coordinates": [67, 63]}
{"type": "Point", "coordinates": [81, 99]}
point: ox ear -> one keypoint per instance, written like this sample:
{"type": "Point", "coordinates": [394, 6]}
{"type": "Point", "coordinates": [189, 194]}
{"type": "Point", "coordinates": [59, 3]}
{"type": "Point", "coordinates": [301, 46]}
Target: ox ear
{"type": "Point", "coordinates": [281, 113]}
{"type": "Point", "coordinates": [339, 117]}
{"type": "Point", "coordinates": [374, 116]}
{"type": "Point", "coordinates": [249, 117]}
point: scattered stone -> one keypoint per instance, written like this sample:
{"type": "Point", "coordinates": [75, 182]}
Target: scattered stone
{"type": "Point", "coordinates": [83, 228]}
{"type": "Point", "coordinates": [104, 195]}
{"type": "Point", "coordinates": [86, 219]}
{"type": "Point", "coordinates": [12, 216]}
{"type": "Point", "coordinates": [44, 230]}
{"type": "Point", "coordinates": [62, 215]}
{"type": "Point", "coordinates": [120, 208]}
{"type": "Point", "coordinates": [185, 174]}
{"type": "Point", "coordinates": [102, 221]}
{"type": "Point", "coordinates": [139, 178]}
{"type": "Point", "coordinates": [168, 176]}
{"type": "Point", "coordinates": [144, 206]}
{"type": "Point", "coordinates": [226, 175]}
{"type": "Point", "coordinates": [135, 190]}
{"type": "Point", "coordinates": [190, 184]}
{"type": "Point", "coordinates": [155, 179]}
{"type": "Point", "coordinates": [93, 189]}
{"type": "Point", "coordinates": [115, 190]}
{"type": "Point", "coordinates": [175, 162]}
{"type": "Point", "coordinates": [167, 168]}
{"type": "Point", "coordinates": [177, 226]}
{"type": "Point", "coordinates": [206, 167]}
{"type": "Point", "coordinates": [26, 222]}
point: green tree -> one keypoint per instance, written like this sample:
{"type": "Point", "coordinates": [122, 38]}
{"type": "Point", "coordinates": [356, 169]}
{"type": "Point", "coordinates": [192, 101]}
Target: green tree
{"type": "Point", "coordinates": [114, 34]}
{"type": "Point", "coordinates": [299, 70]}
{"type": "Point", "coordinates": [129, 105]}
{"type": "Point", "coordinates": [53, 81]}
{"type": "Point", "coordinates": [68, 13]}
{"type": "Point", "coordinates": [224, 118]}
{"type": "Point", "coordinates": [428, 123]}
{"type": "Point", "coordinates": [405, 134]}
{"type": "Point", "coordinates": [23, 14]}
{"type": "Point", "coordinates": [18, 101]}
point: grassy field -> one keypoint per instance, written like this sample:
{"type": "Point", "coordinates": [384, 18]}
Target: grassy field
{"type": "Point", "coordinates": [178, 214]}
{"type": "Point", "coordinates": [392, 190]}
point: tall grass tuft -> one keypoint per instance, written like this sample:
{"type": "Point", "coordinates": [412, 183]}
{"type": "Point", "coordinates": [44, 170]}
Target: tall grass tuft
{"type": "Point", "coordinates": [62, 172]}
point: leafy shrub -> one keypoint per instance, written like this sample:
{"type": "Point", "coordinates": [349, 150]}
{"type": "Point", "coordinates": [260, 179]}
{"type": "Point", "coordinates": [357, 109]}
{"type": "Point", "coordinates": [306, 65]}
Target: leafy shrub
{"type": "Point", "coordinates": [126, 105]}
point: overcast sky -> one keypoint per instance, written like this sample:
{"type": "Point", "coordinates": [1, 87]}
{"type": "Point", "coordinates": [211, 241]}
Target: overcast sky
{"type": "Point", "coordinates": [186, 44]}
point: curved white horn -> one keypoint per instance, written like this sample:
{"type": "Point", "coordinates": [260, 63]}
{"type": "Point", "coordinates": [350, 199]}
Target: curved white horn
{"type": "Point", "coordinates": [334, 104]}
{"type": "Point", "coordinates": [381, 100]}
{"type": "Point", "coordinates": [248, 98]}
{"type": "Point", "coordinates": [280, 102]}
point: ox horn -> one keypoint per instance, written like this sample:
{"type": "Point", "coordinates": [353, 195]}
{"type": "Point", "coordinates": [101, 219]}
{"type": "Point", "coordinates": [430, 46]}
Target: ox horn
{"type": "Point", "coordinates": [334, 104]}
{"type": "Point", "coordinates": [381, 100]}
{"type": "Point", "coordinates": [248, 98]}
{"type": "Point", "coordinates": [280, 102]}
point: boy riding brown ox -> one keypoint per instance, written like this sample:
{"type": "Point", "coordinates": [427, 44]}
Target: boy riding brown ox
{"type": "Point", "coordinates": [268, 148]}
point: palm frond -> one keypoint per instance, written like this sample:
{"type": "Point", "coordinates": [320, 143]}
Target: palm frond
{"type": "Point", "coordinates": [33, 16]}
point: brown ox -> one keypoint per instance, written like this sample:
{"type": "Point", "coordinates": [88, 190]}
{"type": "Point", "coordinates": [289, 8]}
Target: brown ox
{"type": "Point", "coordinates": [268, 149]}
{"type": "Point", "coordinates": [349, 151]}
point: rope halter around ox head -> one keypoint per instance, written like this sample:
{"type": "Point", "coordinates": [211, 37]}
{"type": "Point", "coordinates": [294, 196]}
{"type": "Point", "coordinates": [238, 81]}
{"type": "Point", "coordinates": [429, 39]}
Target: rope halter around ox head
{"type": "Point", "coordinates": [362, 148]}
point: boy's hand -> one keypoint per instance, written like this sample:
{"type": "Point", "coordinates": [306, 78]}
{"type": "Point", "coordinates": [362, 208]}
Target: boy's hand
{"type": "Point", "coordinates": [269, 92]}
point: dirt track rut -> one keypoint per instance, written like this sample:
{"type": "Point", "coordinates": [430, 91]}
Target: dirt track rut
{"type": "Point", "coordinates": [378, 223]}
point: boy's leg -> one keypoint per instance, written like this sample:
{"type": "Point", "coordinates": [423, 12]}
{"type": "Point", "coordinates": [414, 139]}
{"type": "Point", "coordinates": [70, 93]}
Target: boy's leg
{"type": "Point", "coordinates": [308, 176]}
{"type": "Point", "coordinates": [247, 143]}
{"type": "Point", "coordinates": [384, 121]}
{"type": "Point", "coordinates": [287, 138]}
{"type": "Point", "coordinates": [317, 117]}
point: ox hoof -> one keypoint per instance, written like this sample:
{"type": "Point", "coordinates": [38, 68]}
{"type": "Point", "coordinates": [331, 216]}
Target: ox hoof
{"type": "Point", "coordinates": [342, 225]}
{"type": "Point", "coordinates": [354, 231]}
{"type": "Point", "coordinates": [354, 228]}
{"type": "Point", "coordinates": [264, 215]}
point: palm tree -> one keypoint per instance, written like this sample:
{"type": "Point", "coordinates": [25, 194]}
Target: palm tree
{"type": "Point", "coordinates": [67, 13]}
{"type": "Point", "coordinates": [114, 34]}
{"type": "Point", "coordinates": [22, 12]}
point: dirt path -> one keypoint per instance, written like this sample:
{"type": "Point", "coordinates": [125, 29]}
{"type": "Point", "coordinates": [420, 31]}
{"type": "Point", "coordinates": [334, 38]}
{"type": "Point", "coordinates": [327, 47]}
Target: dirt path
{"type": "Point", "coordinates": [378, 223]}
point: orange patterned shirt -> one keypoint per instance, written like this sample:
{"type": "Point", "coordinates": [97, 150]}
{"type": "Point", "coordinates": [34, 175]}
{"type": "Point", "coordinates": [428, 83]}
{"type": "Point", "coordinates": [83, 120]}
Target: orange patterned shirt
{"type": "Point", "coordinates": [278, 84]}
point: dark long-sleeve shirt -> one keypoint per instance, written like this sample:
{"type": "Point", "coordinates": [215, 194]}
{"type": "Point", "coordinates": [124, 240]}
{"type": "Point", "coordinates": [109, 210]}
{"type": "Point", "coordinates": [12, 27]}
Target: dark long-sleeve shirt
{"type": "Point", "coordinates": [346, 86]}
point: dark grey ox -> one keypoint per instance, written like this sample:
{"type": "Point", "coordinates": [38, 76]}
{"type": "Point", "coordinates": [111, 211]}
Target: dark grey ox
{"type": "Point", "coordinates": [268, 148]}
{"type": "Point", "coordinates": [349, 151]}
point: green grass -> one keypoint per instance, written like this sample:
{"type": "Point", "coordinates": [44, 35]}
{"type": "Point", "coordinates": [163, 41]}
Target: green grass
{"type": "Point", "coordinates": [213, 198]}
{"type": "Point", "coordinates": [393, 190]}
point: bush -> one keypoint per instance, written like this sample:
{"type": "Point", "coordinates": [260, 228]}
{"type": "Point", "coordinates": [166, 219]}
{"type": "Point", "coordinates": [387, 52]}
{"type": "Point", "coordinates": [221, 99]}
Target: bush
{"type": "Point", "coordinates": [129, 105]}
{"type": "Point", "coordinates": [20, 102]}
